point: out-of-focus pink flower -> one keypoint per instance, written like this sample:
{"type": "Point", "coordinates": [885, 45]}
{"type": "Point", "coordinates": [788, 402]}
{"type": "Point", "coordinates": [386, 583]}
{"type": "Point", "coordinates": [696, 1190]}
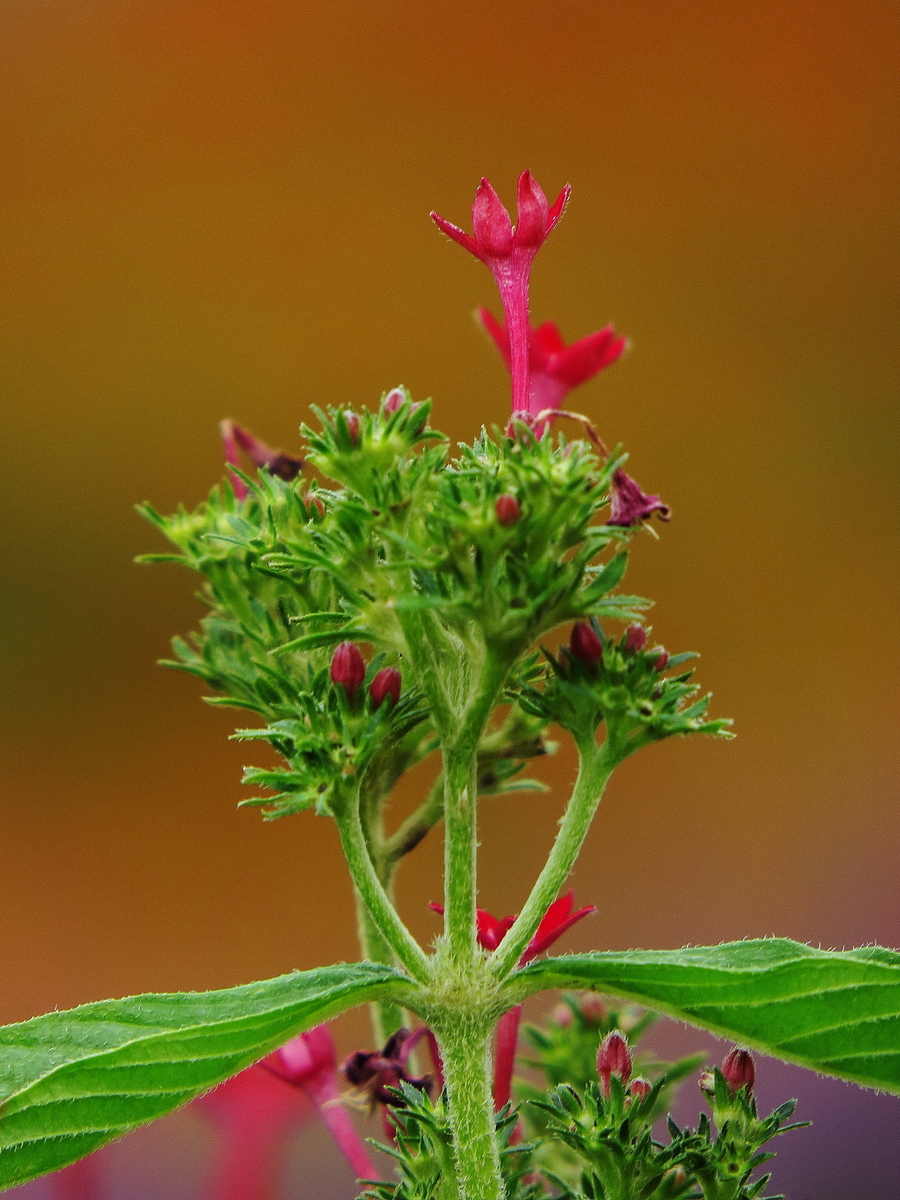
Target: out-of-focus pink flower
{"type": "Point", "coordinates": [80, 1181]}
{"type": "Point", "coordinates": [235, 438]}
{"type": "Point", "coordinates": [554, 368]}
{"type": "Point", "coordinates": [508, 251]}
{"type": "Point", "coordinates": [629, 504]}
{"type": "Point", "coordinates": [256, 1113]}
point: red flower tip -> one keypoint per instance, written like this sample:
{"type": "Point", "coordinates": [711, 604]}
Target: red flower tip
{"type": "Point", "coordinates": [640, 1088]}
{"type": "Point", "coordinates": [352, 421]}
{"type": "Point", "coordinates": [662, 658]}
{"type": "Point", "coordinates": [491, 224]}
{"type": "Point", "coordinates": [635, 638]}
{"type": "Point", "coordinates": [739, 1071]}
{"type": "Point", "coordinates": [533, 212]}
{"type": "Point", "coordinates": [613, 1058]}
{"type": "Point", "coordinates": [347, 667]}
{"type": "Point", "coordinates": [585, 645]}
{"type": "Point", "coordinates": [507, 509]}
{"type": "Point", "coordinates": [629, 505]}
{"type": "Point", "coordinates": [386, 683]}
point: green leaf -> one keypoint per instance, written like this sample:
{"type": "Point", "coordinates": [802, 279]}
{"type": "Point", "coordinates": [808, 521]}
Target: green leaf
{"type": "Point", "coordinates": [71, 1081]}
{"type": "Point", "coordinates": [837, 1012]}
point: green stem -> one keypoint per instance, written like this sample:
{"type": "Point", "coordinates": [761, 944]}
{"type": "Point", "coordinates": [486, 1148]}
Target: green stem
{"type": "Point", "coordinates": [460, 816]}
{"type": "Point", "coordinates": [386, 1016]}
{"type": "Point", "coordinates": [373, 895]}
{"type": "Point", "coordinates": [465, 1045]}
{"type": "Point", "coordinates": [596, 766]}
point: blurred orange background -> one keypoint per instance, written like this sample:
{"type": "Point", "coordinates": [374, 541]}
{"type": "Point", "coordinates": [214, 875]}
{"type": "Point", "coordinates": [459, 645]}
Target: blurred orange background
{"type": "Point", "coordinates": [220, 208]}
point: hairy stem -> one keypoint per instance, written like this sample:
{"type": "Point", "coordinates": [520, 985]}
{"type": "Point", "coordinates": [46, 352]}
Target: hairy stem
{"type": "Point", "coordinates": [372, 893]}
{"type": "Point", "coordinates": [465, 1051]}
{"type": "Point", "coordinates": [596, 766]}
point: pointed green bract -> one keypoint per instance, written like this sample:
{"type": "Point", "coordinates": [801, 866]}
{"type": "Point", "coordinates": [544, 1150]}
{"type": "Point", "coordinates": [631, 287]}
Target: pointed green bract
{"type": "Point", "coordinates": [837, 1012]}
{"type": "Point", "coordinates": [71, 1081]}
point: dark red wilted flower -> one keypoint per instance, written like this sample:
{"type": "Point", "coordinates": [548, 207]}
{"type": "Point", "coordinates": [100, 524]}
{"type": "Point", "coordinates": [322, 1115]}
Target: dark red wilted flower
{"type": "Point", "coordinates": [739, 1070]}
{"type": "Point", "coordinates": [507, 509]}
{"type": "Point", "coordinates": [386, 683]}
{"type": "Point", "coordinates": [347, 667]}
{"type": "Point", "coordinates": [613, 1058]}
{"type": "Point", "coordinates": [629, 504]}
{"type": "Point", "coordinates": [553, 367]}
{"type": "Point", "coordinates": [378, 1071]}
{"type": "Point", "coordinates": [584, 644]}
{"type": "Point", "coordinates": [508, 251]}
{"type": "Point", "coordinates": [235, 438]}
{"type": "Point", "coordinates": [635, 638]}
{"type": "Point", "coordinates": [640, 1088]}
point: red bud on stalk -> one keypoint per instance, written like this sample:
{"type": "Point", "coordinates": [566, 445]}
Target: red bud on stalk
{"type": "Point", "coordinates": [347, 667]}
{"type": "Point", "coordinates": [352, 421]}
{"type": "Point", "coordinates": [386, 683]}
{"type": "Point", "coordinates": [640, 1089]}
{"type": "Point", "coordinates": [613, 1058]}
{"type": "Point", "coordinates": [507, 509]}
{"type": "Point", "coordinates": [395, 399]}
{"type": "Point", "coordinates": [739, 1071]}
{"type": "Point", "coordinates": [662, 658]}
{"type": "Point", "coordinates": [585, 645]}
{"type": "Point", "coordinates": [635, 638]}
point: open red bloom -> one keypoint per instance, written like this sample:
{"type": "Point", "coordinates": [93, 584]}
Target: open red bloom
{"type": "Point", "coordinates": [556, 920]}
{"type": "Point", "coordinates": [553, 367]}
{"type": "Point", "coordinates": [235, 438]}
{"type": "Point", "coordinates": [508, 251]}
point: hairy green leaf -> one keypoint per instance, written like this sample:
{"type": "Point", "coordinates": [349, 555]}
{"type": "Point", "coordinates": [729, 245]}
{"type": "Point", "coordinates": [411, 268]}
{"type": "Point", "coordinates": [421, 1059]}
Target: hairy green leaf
{"type": "Point", "coordinates": [71, 1081]}
{"type": "Point", "coordinates": [837, 1012]}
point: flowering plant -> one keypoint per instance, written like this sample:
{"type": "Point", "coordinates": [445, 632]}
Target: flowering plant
{"type": "Point", "coordinates": [397, 608]}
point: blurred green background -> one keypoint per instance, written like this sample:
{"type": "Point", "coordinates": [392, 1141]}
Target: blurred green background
{"type": "Point", "coordinates": [220, 208]}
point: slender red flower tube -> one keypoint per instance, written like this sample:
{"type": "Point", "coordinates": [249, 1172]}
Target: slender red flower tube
{"type": "Point", "coordinates": [508, 251]}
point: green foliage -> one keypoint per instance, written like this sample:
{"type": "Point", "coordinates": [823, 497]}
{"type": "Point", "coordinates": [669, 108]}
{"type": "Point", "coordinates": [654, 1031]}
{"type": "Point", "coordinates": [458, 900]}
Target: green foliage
{"type": "Point", "coordinates": [71, 1081]}
{"type": "Point", "coordinates": [837, 1012]}
{"type": "Point", "coordinates": [423, 1153]}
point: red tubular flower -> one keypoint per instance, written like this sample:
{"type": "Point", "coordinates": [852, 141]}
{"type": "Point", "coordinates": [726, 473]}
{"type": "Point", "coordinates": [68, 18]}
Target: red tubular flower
{"type": "Point", "coordinates": [348, 668]}
{"type": "Point", "coordinates": [630, 505]}
{"type": "Point", "coordinates": [235, 438]}
{"type": "Point", "coordinates": [507, 509]}
{"type": "Point", "coordinates": [508, 251]}
{"type": "Point", "coordinates": [386, 683]}
{"type": "Point", "coordinates": [739, 1071]}
{"type": "Point", "coordinates": [585, 645]}
{"type": "Point", "coordinates": [613, 1058]}
{"type": "Point", "coordinates": [554, 368]}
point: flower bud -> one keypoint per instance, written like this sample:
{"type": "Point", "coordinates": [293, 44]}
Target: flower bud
{"type": "Point", "coordinates": [395, 399]}
{"type": "Point", "coordinates": [585, 645]}
{"type": "Point", "coordinates": [561, 1016]}
{"type": "Point", "coordinates": [635, 638]}
{"type": "Point", "coordinates": [739, 1071]}
{"type": "Point", "coordinates": [613, 1058]}
{"type": "Point", "coordinates": [347, 667]}
{"type": "Point", "coordinates": [640, 1088]}
{"type": "Point", "coordinates": [707, 1083]}
{"type": "Point", "coordinates": [662, 658]}
{"type": "Point", "coordinates": [386, 683]}
{"type": "Point", "coordinates": [507, 509]}
{"type": "Point", "coordinates": [352, 421]}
